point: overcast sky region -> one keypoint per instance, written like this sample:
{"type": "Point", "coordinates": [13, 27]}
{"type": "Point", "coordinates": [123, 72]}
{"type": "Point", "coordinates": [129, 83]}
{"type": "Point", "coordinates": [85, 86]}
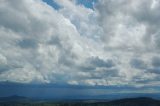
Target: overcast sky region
{"type": "Point", "coordinates": [81, 42]}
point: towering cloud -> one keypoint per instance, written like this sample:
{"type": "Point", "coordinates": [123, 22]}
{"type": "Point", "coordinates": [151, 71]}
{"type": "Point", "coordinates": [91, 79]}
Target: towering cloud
{"type": "Point", "coordinates": [115, 43]}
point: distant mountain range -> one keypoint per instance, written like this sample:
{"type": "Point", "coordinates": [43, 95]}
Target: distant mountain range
{"type": "Point", "coordinates": [24, 101]}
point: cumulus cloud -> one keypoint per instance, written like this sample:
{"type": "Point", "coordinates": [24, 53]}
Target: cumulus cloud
{"type": "Point", "coordinates": [116, 43]}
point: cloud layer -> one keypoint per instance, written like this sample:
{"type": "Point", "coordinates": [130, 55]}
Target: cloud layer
{"type": "Point", "coordinates": [116, 43]}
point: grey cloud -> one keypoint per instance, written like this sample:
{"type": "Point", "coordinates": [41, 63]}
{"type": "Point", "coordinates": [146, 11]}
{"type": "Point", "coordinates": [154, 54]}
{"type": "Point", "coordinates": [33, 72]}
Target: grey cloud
{"type": "Point", "coordinates": [155, 65]}
{"type": "Point", "coordinates": [149, 16]}
{"type": "Point", "coordinates": [147, 13]}
{"type": "Point", "coordinates": [92, 63]}
{"type": "Point", "coordinates": [65, 60]}
{"type": "Point", "coordinates": [4, 68]}
{"type": "Point", "coordinates": [97, 62]}
{"type": "Point", "coordinates": [155, 70]}
{"type": "Point", "coordinates": [28, 43]}
{"type": "Point", "coordinates": [157, 39]}
{"type": "Point", "coordinates": [55, 40]}
{"type": "Point", "coordinates": [86, 68]}
{"type": "Point", "coordinates": [137, 63]}
{"type": "Point", "coordinates": [156, 61]}
{"type": "Point", "coordinates": [106, 73]}
{"type": "Point", "coordinates": [8, 67]}
{"type": "Point", "coordinates": [13, 21]}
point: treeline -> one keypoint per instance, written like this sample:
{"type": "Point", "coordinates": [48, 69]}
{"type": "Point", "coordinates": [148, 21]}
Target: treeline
{"type": "Point", "coordinates": [122, 102]}
{"type": "Point", "coordinates": [78, 104]}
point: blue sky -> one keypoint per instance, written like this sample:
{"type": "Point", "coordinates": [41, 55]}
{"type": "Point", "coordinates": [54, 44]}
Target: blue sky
{"type": "Point", "coordinates": [86, 3]}
{"type": "Point", "coordinates": [105, 45]}
{"type": "Point", "coordinates": [52, 3]}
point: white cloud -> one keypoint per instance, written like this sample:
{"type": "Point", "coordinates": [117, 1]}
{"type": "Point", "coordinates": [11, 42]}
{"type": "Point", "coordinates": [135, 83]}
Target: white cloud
{"type": "Point", "coordinates": [111, 45]}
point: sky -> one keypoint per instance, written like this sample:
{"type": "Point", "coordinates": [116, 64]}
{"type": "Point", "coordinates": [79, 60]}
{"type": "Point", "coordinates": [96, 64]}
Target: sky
{"type": "Point", "coordinates": [96, 43]}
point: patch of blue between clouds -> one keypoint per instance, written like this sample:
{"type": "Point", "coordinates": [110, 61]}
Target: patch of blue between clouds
{"type": "Point", "coordinates": [86, 3]}
{"type": "Point", "coordinates": [53, 4]}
